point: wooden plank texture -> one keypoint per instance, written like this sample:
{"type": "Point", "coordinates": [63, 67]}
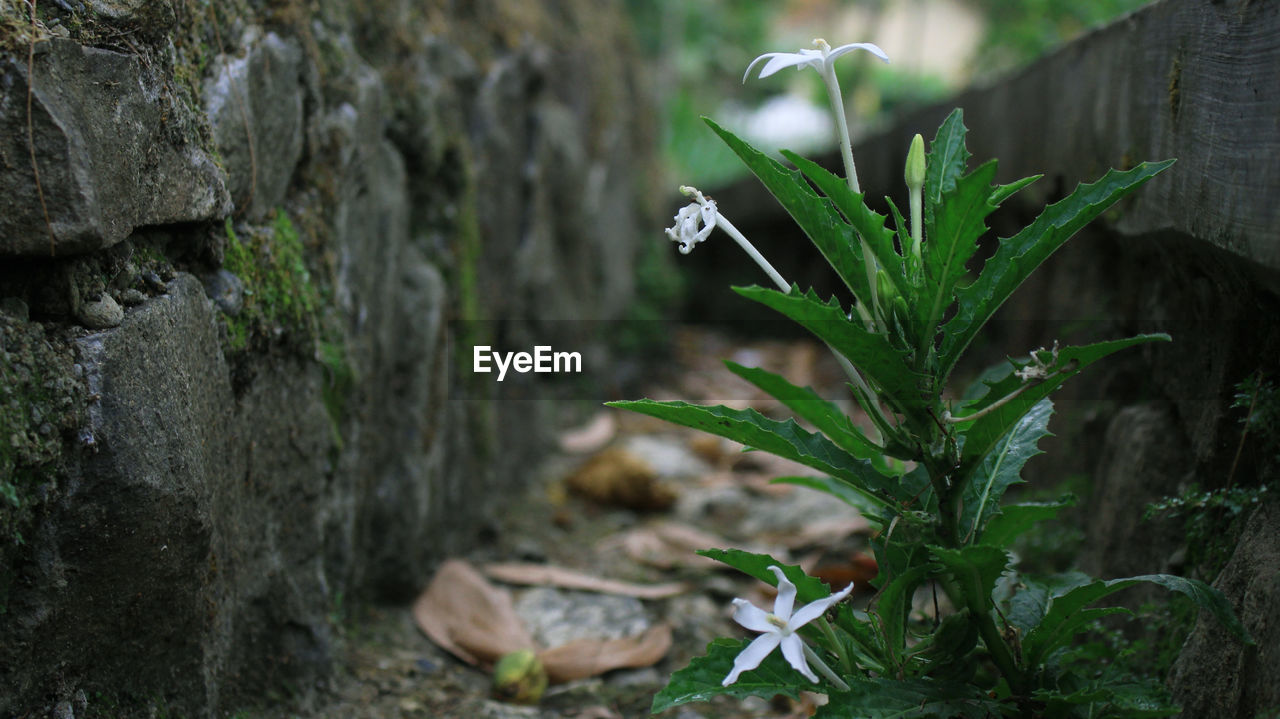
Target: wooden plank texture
{"type": "Point", "coordinates": [1190, 79]}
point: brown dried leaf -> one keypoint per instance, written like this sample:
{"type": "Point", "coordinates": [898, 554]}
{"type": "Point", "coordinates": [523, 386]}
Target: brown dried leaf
{"type": "Point", "coordinates": [550, 575]}
{"type": "Point", "coordinates": [469, 617]}
{"type": "Point", "coordinates": [619, 478]}
{"type": "Point", "coordinates": [588, 657]}
{"type": "Point", "coordinates": [590, 437]}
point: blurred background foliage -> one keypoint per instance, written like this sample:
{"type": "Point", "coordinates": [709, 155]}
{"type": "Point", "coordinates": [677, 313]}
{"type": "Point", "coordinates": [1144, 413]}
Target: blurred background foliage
{"type": "Point", "coordinates": [699, 50]}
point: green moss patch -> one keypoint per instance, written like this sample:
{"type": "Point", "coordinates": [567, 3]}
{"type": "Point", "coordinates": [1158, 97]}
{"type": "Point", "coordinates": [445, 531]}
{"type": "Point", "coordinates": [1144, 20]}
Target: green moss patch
{"type": "Point", "coordinates": [279, 296]}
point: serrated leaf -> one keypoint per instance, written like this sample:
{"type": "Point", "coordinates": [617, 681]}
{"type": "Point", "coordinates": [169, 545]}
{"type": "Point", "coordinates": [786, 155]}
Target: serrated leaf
{"type": "Point", "coordinates": [1027, 608]}
{"type": "Point", "coordinates": [808, 589]}
{"type": "Point", "coordinates": [946, 162]}
{"type": "Point", "coordinates": [814, 214]}
{"type": "Point", "coordinates": [951, 240]}
{"type": "Point", "coordinates": [1004, 192]}
{"type": "Point", "coordinates": [869, 224]}
{"type": "Point", "coordinates": [985, 432]}
{"type": "Point", "coordinates": [870, 353]}
{"type": "Point", "coordinates": [1002, 468]}
{"type": "Point", "coordinates": [1018, 256]}
{"type": "Point", "coordinates": [975, 569]}
{"type": "Point", "coordinates": [840, 491]}
{"type": "Point", "coordinates": [821, 413]}
{"type": "Point", "coordinates": [700, 681]}
{"type": "Point", "coordinates": [785, 439]}
{"type": "Point", "coordinates": [892, 609]}
{"type": "Point", "coordinates": [1013, 520]}
{"type": "Point", "coordinates": [1067, 611]}
{"type": "Point", "coordinates": [882, 698]}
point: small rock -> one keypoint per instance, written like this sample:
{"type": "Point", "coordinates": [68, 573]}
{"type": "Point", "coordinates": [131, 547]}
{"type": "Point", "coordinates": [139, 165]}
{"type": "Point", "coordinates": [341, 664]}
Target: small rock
{"type": "Point", "coordinates": [101, 314]}
{"type": "Point", "coordinates": [63, 711]}
{"type": "Point", "coordinates": [15, 307]}
{"type": "Point", "coordinates": [132, 297]}
{"type": "Point", "coordinates": [153, 282]}
{"type": "Point", "coordinates": [556, 617]}
{"type": "Point", "coordinates": [80, 701]}
{"type": "Point", "coordinates": [226, 290]}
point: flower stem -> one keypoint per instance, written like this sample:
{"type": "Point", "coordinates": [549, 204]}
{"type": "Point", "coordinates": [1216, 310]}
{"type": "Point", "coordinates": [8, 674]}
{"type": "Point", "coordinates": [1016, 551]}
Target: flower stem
{"type": "Point", "coordinates": [823, 669]}
{"type": "Point", "coordinates": [829, 632]}
{"type": "Point", "coordinates": [723, 223]}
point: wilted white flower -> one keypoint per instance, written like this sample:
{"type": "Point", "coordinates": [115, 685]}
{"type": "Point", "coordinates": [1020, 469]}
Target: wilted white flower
{"type": "Point", "coordinates": [778, 628]}
{"type": "Point", "coordinates": [686, 230]}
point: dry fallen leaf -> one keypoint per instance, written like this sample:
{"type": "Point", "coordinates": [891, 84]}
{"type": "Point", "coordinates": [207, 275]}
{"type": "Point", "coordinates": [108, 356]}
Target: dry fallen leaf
{"type": "Point", "coordinates": [590, 437]}
{"type": "Point", "coordinates": [667, 544]}
{"type": "Point", "coordinates": [619, 478]}
{"type": "Point", "coordinates": [550, 575]}
{"type": "Point", "coordinates": [469, 617]}
{"type": "Point", "coordinates": [588, 657]}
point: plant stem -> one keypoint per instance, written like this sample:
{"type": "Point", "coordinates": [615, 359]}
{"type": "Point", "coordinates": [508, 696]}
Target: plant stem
{"type": "Point", "coordinates": [829, 632]}
{"type": "Point", "coordinates": [823, 669]}
{"type": "Point", "coordinates": [723, 223]}
{"type": "Point", "coordinates": [850, 171]}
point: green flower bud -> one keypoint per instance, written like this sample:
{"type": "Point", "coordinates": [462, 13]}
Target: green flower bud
{"type": "Point", "coordinates": [915, 164]}
{"type": "Point", "coordinates": [519, 678]}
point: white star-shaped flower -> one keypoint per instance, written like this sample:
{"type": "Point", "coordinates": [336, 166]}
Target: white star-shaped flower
{"type": "Point", "coordinates": [778, 628]}
{"type": "Point", "coordinates": [820, 59]}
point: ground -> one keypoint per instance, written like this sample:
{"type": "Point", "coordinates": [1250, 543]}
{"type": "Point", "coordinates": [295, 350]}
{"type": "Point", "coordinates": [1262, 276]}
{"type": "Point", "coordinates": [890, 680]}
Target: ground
{"type": "Point", "coordinates": [626, 498]}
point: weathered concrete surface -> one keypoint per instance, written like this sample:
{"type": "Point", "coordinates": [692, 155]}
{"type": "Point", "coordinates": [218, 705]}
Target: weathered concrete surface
{"type": "Point", "coordinates": [110, 148]}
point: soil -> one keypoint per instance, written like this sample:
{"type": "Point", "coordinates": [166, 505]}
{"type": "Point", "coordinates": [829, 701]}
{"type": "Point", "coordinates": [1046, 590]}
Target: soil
{"type": "Point", "coordinates": [391, 669]}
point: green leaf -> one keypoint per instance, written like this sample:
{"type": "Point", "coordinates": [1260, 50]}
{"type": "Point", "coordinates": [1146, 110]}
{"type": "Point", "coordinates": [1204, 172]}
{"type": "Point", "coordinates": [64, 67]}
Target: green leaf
{"type": "Point", "coordinates": [755, 565]}
{"type": "Point", "coordinates": [1001, 468]}
{"type": "Point", "coordinates": [1018, 256]}
{"type": "Point", "coordinates": [869, 224]}
{"type": "Point", "coordinates": [1014, 520]}
{"type": "Point", "coordinates": [1067, 612]}
{"type": "Point", "coordinates": [892, 609]}
{"type": "Point", "coordinates": [870, 353]}
{"type": "Point", "coordinates": [945, 163]}
{"type": "Point", "coordinates": [984, 433]}
{"type": "Point", "coordinates": [700, 681]}
{"type": "Point", "coordinates": [785, 439]}
{"type": "Point", "coordinates": [1004, 192]}
{"type": "Point", "coordinates": [951, 240]}
{"type": "Point", "coordinates": [882, 698]}
{"type": "Point", "coordinates": [840, 491]}
{"type": "Point", "coordinates": [821, 413]}
{"type": "Point", "coordinates": [1027, 608]}
{"type": "Point", "coordinates": [975, 569]}
{"type": "Point", "coordinates": [814, 214]}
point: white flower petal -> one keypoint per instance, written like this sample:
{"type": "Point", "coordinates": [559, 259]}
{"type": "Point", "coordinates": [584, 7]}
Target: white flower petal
{"type": "Point", "coordinates": [752, 617]}
{"type": "Point", "coordinates": [751, 657]}
{"type": "Point", "coordinates": [869, 47]}
{"type": "Point", "coordinates": [786, 600]}
{"type": "Point", "coordinates": [781, 60]}
{"type": "Point", "coordinates": [813, 610]}
{"type": "Point", "coordinates": [793, 652]}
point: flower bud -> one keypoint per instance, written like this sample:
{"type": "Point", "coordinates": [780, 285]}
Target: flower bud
{"type": "Point", "coordinates": [914, 174]}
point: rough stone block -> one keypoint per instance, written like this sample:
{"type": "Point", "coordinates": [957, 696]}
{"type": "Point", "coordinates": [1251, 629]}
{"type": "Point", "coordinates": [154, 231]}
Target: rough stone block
{"type": "Point", "coordinates": [109, 150]}
{"type": "Point", "coordinates": [254, 102]}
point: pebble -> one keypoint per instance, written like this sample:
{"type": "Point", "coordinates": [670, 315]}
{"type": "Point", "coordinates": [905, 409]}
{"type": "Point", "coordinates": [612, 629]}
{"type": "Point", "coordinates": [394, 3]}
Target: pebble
{"type": "Point", "coordinates": [132, 297]}
{"type": "Point", "coordinates": [556, 617]}
{"type": "Point", "coordinates": [226, 290]}
{"type": "Point", "coordinates": [101, 314]}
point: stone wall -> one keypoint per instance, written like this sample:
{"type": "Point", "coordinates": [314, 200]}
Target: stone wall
{"type": "Point", "coordinates": [1195, 253]}
{"type": "Point", "coordinates": [230, 278]}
